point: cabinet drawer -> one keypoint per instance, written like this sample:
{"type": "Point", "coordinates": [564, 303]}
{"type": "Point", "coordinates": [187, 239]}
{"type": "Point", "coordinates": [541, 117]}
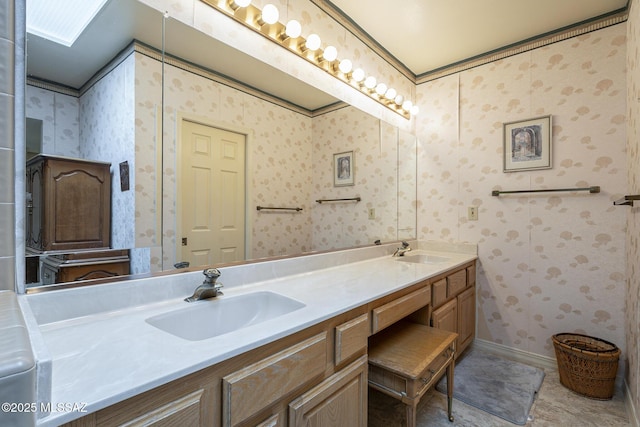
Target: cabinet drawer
{"type": "Point", "coordinates": [393, 311]}
{"type": "Point", "coordinates": [261, 384]}
{"type": "Point", "coordinates": [439, 293]}
{"type": "Point", "coordinates": [456, 283]}
{"type": "Point", "coordinates": [351, 337]}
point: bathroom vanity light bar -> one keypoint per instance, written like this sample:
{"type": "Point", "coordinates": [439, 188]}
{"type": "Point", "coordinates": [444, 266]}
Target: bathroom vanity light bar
{"type": "Point", "coordinates": [266, 22]}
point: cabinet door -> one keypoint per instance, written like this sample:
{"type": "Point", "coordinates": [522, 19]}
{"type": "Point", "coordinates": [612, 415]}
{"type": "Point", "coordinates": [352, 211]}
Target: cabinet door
{"type": "Point", "coordinates": [77, 205]}
{"type": "Point", "coordinates": [446, 317]}
{"type": "Point", "coordinates": [466, 318]}
{"type": "Point", "coordinates": [339, 401]}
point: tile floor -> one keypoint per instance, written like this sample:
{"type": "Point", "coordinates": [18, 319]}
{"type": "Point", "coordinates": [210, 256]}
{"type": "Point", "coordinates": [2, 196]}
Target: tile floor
{"type": "Point", "coordinates": [554, 406]}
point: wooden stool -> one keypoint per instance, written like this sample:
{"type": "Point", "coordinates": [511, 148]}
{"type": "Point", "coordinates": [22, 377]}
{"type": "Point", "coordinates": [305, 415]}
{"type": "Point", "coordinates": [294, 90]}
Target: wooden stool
{"type": "Point", "coordinates": [406, 359]}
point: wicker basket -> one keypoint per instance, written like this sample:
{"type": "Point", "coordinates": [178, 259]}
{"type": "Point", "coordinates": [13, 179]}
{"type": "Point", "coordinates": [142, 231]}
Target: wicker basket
{"type": "Point", "coordinates": [587, 365]}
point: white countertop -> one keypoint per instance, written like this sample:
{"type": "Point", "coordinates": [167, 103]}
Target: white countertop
{"type": "Point", "coordinates": [103, 358]}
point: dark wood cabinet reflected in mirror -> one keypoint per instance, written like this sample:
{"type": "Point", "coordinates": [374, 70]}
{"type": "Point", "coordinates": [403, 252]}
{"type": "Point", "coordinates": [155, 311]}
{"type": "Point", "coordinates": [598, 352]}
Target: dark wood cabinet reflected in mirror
{"type": "Point", "coordinates": [113, 97]}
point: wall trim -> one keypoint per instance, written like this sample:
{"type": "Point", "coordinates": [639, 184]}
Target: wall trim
{"type": "Point", "coordinates": [632, 411]}
{"type": "Point", "coordinates": [544, 362]}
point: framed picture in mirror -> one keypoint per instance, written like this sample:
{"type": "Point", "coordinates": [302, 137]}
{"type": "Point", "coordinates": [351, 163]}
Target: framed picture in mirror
{"type": "Point", "coordinates": [343, 169]}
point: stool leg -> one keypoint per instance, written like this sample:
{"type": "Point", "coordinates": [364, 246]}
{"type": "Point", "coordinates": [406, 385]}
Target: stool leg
{"type": "Point", "coordinates": [450, 390]}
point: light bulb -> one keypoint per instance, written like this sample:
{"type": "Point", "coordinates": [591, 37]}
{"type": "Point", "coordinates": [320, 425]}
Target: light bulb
{"type": "Point", "coordinates": [406, 105]}
{"type": "Point", "coordinates": [270, 14]}
{"type": "Point", "coordinates": [370, 82]}
{"type": "Point", "coordinates": [391, 93]}
{"type": "Point", "coordinates": [399, 100]}
{"type": "Point", "coordinates": [345, 66]}
{"type": "Point", "coordinates": [293, 29]}
{"type": "Point", "coordinates": [414, 110]}
{"type": "Point", "coordinates": [358, 75]}
{"type": "Point", "coordinates": [381, 89]}
{"type": "Point", "coordinates": [239, 3]}
{"type": "Point", "coordinates": [330, 53]}
{"type": "Point", "coordinates": [313, 42]}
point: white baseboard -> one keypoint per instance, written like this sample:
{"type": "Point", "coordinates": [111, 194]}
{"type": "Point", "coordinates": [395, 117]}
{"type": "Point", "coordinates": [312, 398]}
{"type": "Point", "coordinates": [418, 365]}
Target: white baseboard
{"type": "Point", "coordinates": [516, 354]}
{"type": "Point", "coordinates": [632, 412]}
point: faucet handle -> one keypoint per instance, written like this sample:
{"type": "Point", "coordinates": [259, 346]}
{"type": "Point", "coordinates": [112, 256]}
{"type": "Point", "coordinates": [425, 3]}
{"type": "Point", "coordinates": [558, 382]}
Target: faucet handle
{"type": "Point", "coordinates": [211, 275]}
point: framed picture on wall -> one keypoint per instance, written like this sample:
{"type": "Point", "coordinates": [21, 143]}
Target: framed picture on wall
{"type": "Point", "coordinates": [343, 169]}
{"type": "Point", "coordinates": [527, 144]}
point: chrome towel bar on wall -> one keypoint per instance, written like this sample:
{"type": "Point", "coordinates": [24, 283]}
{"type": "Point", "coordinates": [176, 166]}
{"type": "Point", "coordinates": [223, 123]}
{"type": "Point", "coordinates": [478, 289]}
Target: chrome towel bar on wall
{"type": "Point", "coordinates": [262, 208]}
{"type": "Point", "coordinates": [594, 189]}
{"type": "Point", "coordinates": [351, 199]}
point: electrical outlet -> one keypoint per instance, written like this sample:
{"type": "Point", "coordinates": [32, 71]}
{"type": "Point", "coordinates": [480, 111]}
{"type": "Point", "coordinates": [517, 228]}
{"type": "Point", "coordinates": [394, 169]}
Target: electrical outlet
{"type": "Point", "coordinates": [473, 213]}
{"type": "Point", "coordinates": [372, 213]}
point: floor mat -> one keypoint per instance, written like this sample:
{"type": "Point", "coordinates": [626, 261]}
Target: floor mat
{"type": "Point", "coordinates": [495, 385]}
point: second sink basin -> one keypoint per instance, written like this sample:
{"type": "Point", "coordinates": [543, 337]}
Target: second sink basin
{"type": "Point", "coordinates": [218, 316]}
{"type": "Point", "coordinates": [423, 259]}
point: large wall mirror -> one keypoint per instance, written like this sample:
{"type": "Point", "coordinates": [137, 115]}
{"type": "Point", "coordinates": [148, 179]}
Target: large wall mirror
{"type": "Point", "coordinates": [206, 146]}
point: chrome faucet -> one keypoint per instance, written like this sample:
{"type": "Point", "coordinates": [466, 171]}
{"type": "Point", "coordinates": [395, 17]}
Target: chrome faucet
{"type": "Point", "coordinates": [401, 250]}
{"type": "Point", "coordinates": [209, 288]}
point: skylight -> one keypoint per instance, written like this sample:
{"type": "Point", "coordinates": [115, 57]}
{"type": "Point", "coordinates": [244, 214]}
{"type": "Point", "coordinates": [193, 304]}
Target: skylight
{"type": "Point", "coordinates": [61, 21]}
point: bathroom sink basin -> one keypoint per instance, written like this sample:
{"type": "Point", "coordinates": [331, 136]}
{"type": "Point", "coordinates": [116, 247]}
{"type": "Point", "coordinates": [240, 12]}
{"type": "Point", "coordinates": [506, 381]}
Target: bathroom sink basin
{"type": "Point", "coordinates": [221, 315]}
{"type": "Point", "coordinates": [423, 259]}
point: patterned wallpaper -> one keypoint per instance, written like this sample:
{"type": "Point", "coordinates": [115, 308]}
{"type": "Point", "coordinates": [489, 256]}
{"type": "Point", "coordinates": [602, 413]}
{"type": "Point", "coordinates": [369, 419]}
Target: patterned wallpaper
{"type": "Point", "coordinates": [632, 297]}
{"type": "Point", "coordinates": [549, 262]}
{"type": "Point", "coordinates": [60, 120]}
{"type": "Point", "coordinates": [148, 114]}
{"type": "Point", "coordinates": [106, 132]}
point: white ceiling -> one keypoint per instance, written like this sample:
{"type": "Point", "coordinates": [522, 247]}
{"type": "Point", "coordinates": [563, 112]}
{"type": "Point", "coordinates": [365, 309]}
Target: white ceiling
{"type": "Point", "coordinates": [423, 35]}
{"type": "Point", "coordinates": [426, 35]}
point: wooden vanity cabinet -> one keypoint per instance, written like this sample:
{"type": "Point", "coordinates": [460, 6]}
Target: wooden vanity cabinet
{"type": "Point", "coordinates": [318, 376]}
{"type": "Point", "coordinates": [68, 204]}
